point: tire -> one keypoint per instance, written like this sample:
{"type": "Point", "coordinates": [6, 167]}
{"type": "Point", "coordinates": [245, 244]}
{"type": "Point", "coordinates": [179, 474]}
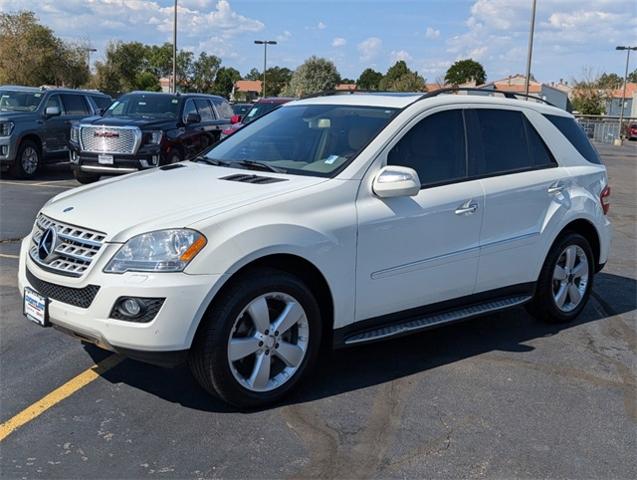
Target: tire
{"type": "Point", "coordinates": [175, 157]}
{"type": "Point", "coordinates": [259, 297]}
{"type": "Point", "coordinates": [562, 293]}
{"type": "Point", "coordinates": [27, 161]}
{"type": "Point", "coordinates": [85, 178]}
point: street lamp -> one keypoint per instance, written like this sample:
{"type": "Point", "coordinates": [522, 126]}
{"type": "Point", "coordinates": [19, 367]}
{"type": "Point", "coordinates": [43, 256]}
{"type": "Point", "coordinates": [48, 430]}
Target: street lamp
{"type": "Point", "coordinates": [89, 50]}
{"type": "Point", "coordinates": [175, 50]}
{"type": "Point", "coordinates": [621, 114]}
{"type": "Point", "coordinates": [530, 50]}
{"type": "Point", "coordinates": [265, 44]}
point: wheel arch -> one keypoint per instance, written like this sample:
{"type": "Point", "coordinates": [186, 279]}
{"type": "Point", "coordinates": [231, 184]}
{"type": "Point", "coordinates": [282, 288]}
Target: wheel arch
{"type": "Point", "coordinates": [294, 265]}
{"type": "Point", "coordinates": [588, 230]}
{"type": "Point", "coordinates": [33, 137]}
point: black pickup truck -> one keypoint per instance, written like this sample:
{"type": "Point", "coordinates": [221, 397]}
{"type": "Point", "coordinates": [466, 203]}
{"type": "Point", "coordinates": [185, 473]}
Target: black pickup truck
{"type": "Point", "coordinates": [145, 129]}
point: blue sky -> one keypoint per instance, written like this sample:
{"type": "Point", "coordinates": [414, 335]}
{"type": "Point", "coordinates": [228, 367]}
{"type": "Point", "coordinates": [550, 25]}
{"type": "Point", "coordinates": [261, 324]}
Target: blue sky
{"type": "Point", "coordinates": [572, 36]}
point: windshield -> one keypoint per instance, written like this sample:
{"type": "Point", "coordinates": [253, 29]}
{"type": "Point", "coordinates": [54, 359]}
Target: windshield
{"type": "Point", "coordinates": [140, 105]}
{"type": "Point", "coordinates": [240, 108]}
{"type": "Point", "coordinates": [12, 101]}
{"type": "Point", "coordinates": [306, 140]}
{"type": "Point", "coordinates": [259, 110]}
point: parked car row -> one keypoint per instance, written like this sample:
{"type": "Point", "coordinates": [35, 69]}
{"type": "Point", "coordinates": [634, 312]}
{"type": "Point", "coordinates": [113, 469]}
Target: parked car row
{"type": "Point", "coordinates": [101, 136]}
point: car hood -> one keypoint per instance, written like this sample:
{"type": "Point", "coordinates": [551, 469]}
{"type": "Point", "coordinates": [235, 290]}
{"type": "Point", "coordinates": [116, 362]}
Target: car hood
{"type": "Point", "coordinates": [122, 207]}
{"type": "Point", "coordinates": [17, 115]}
{"type": "Point", "coordinates": [127, 121]}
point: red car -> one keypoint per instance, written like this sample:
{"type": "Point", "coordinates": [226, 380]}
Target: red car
{"type": "Point", "coordinates": [260, 108]}
{"type": "Point", "coordinates": [632, 131]}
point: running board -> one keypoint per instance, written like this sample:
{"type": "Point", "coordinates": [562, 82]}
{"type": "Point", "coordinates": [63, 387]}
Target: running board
{"type": "Point", "coordinates": [435, 319]}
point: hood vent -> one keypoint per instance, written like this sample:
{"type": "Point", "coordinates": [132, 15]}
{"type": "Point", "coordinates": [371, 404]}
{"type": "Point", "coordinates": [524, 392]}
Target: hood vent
{"type": "Point", "coordinates": [171, 166]}
{"type": "Point", "coordinates": [252, 179]}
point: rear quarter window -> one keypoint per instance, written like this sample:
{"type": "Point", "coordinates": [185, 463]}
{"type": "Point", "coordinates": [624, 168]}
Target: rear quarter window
{"type": "Point", "coordinates": [576, 136]}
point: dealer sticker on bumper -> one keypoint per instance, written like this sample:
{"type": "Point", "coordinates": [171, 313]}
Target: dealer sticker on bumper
{"type": "Point", "coordinates": [105, 159]}
{"type": "Point", "coordinates": [35, 307]}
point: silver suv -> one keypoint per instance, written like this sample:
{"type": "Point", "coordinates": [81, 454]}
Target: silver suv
{"type": "Point", "coordinates": [35, 124]}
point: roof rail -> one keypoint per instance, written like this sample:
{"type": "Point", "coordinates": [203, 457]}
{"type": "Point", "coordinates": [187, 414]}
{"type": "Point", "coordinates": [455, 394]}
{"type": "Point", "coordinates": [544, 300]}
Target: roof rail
{"type": "Point", "coordinates": [510, 95]}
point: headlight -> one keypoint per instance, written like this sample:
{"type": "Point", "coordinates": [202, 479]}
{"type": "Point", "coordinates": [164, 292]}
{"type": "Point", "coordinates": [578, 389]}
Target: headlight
{"type": "Point", "coordinates": [75, 134]}
{"type": "Point", "coordinates": [6, 128]}
{"type": "Point", "coordinates": [153, 136]}
{"type": "Point", "coordinates": [160, 251]}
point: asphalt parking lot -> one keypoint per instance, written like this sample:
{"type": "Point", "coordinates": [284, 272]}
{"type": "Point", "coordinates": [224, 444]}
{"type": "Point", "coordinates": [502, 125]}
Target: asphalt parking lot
{"type": "Point", "coordinates": [499, 397]}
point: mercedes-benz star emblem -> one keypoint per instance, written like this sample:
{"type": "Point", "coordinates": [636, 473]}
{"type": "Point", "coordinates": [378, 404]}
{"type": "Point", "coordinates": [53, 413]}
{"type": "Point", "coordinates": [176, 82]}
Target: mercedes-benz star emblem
{"type": "Point", "coordinates": [46, 245]}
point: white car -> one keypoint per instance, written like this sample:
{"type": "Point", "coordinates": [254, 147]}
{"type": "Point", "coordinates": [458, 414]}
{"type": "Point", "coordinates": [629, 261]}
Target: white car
{"type": "Point", "coordinates": [334, 221]}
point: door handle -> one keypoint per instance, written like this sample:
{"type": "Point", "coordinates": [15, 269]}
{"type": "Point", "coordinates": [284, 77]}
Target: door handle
{"type": "Point", "coordinates": [467, 208]}
{"type": "Point", "coordinates": [556, 187]}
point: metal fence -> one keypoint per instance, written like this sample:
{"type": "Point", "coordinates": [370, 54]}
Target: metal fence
{"type": "Point", "coordinates": [602, 129]}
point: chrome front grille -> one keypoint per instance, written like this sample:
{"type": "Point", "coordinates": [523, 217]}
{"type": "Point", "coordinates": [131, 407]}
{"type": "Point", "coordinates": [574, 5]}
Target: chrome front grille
{"type": "Point", "coordinates": [113, 140]}
{"type": "Point", "coordinates": [74, 250]}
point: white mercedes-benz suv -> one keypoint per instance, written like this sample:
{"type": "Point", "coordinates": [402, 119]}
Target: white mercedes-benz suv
{"type": "Point", "coordinates": [331, 221]}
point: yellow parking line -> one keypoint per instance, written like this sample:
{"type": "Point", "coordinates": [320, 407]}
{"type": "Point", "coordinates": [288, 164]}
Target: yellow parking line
{"type": "Point", "coordinates": [23, 184]}
{"type": "Point", "coordinates": [56, 396]}
{"type": "Point", "coordinates": [6, 255]}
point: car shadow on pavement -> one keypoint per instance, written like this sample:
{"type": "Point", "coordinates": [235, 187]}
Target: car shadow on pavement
{"type": "Point", "coordinates": [368, 365]}
{"type": "Point", "coordinates": [47, 173]}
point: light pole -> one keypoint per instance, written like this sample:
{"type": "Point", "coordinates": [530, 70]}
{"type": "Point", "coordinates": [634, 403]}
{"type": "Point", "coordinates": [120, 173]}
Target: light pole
{"type": "Point", "coordinates": [530, 51]}
{"type": "Point", "coordinates": [89, 50]}
{"type": "Point", "coordinates": [265, 44]}
{"type": "Point", "coordinates": [174, 82]}
{"type": "Point", "coordinates": [621, 112]}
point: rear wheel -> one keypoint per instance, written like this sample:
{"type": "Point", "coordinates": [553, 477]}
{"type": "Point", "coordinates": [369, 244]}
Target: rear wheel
{"type": "Point", "coordinates": [565, 281]}
{"type": "Point", "coordinates": [259, 340]}
{"type": "Point", "coordinates": [28, 160]}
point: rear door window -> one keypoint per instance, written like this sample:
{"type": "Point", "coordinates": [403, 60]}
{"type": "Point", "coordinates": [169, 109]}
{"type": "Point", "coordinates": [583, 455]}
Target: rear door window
{"type": "Point", "coordinates": [75, 104]}
{"type": "Point", "coordinates": [205, 110]}
{"type": "Point", "coordinates": [435, 148]}
{"type": "Point", "coordinates": [223, 107]}
{"type": "Point", "coordinates": [576, 136]}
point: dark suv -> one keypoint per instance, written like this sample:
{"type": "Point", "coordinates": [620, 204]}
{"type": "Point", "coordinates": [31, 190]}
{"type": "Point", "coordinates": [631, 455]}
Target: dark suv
{"type": "Point", "coordinates": [35, 124]}
{"type": "Point", "coordinates": [145, 129]}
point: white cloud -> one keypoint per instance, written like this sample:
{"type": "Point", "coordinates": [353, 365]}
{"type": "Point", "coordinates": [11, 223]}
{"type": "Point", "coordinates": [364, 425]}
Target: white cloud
{"type": "Point", "coordinates": [284, 37]}
{"type": "Point", "coordinates": [339, 42]}
{"type": "Point", "coordinates": [321, 26]}
{"type": "Point", "coordinates": [432, 33]}
{"type": "Point", "coordinates": [369, 48]}
{"type": "Point", "coordinates": [400, 55]}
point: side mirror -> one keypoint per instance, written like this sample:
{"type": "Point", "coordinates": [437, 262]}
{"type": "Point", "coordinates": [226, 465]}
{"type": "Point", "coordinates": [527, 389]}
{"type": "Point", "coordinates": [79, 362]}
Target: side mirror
{"type": "Point", "coordinates": [52, 111]}
{"type": "Point", "coordinates": [395, 181]}
{"type": "Point", "coordinates": [235, 119]}
{"type": "Point", "coordinates": [193, 118]}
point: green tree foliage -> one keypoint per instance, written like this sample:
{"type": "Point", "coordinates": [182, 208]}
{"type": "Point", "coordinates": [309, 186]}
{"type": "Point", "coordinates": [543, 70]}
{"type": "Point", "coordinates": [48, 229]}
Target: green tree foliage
{"type": "Point", "coordinates": [632, 76]}
{"type": "Point", "coordinates": [588, 99]}
{"type": "Point", "coordinates": [254, 74]}
{"type": "Point", "coordinates": [277, 78]}
{"type": "Point", "coordinates": [204, 73]}
{"type": "Point", "coordinates": [31, 54]}
{"type": "Point", "coordinates": [369, 79]}
{"type": "Point", "coordinates": [399, 78]}
{"type": "Point", "coordinates": [224, 81]}
{"type": "Point", "coordinates": [465, 71]}
{"type": "Point", "coordinates": [610, 81]}
{"type": "Point", "coordinates": [315, 75]}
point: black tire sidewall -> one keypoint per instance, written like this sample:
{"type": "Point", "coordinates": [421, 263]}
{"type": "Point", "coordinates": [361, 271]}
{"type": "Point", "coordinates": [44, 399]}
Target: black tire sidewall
{"type": "Point", "coordinates": [545, 305]}
{"type": "Point", "coordinates": [18, 170]}
{"type": "Point", "coordinates": [213, 343]}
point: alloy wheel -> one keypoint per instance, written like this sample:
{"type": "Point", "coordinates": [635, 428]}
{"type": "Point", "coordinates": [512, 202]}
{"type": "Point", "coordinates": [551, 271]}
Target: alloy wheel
{"type": "Point", "coordinates": [29, 160]}
{"type": "Point", "coordinates": [570, 278]}
{"type": "Point", "coordinates": [268, 342]}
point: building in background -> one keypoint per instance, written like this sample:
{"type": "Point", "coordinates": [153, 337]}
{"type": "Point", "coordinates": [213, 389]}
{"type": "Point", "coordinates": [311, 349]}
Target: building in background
{"type": "Point", "coordinates": [613, 105]}
{"type": "Point", "coordinates": [516, 84]}
{"type": "Point", "coordinates": [245, 90]}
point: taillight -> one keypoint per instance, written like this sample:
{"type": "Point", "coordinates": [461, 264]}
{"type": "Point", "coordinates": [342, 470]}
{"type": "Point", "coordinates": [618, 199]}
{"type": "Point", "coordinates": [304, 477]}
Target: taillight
{"type": "Point", "coordinates": [604, 198]}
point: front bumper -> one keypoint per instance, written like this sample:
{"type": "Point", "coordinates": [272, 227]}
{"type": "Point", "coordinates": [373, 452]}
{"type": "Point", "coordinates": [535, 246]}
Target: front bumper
{"type": "Point", "coordinates": [7, 150]}
{"type": "Point", "coordinates": [147, 157]}
{"type": "Point", "coordinates": [171, 330]}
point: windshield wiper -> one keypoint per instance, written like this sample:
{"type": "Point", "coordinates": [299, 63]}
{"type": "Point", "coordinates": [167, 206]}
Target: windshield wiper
{"type": "Point", "coordinates": [260, 166]}
{"type": "Point", "coordinates": [212, 161]}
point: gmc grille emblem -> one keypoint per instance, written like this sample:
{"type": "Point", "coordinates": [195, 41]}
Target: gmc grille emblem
{"type": "Point", "coordinates": [106, 134]}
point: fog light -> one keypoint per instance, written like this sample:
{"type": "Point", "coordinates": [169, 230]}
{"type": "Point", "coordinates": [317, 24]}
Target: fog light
{"type": "Point", "coordinates": [4, 149]}
{"type": "Point", "coordinates": [155, 159]}
{"type": "Point", "coordinates": [130, 307]}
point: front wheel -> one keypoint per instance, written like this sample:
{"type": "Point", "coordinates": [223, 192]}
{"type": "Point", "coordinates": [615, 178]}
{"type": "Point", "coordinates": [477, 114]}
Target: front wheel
{"type": "Point", "coordinates": [565, 281]}
{"type": "Point", "coordinates": [259, 340]}
{"type": "Point", "coordinates": [28, 160]}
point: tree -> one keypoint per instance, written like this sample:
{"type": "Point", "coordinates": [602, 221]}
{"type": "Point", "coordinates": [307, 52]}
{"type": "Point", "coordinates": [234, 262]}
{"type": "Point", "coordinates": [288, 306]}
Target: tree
{"type": "Point", "coordinates": [399, 78]}
{"type": "Point", "coordinates": [225, 80]}
{"type": "Point", "coordinates": [369, 79]}
{"type": "Point", "coordinates": [204, 72]}
{"type": "Point", "coordinates": [315, 75]}
{"type": "Point", "coordinates": [609, 81]}
{"type": "Point", "coordinates": [31, 54]}
{"type": "Point", "coordinates": [632, 76]}
{"type": "Point", "coordinates": [277, 78]}
{"type": "Point", "coordinates": [254, 74]}
{"type": "Point", "coordinates": [588, 98]}
{"type": "Point", "coordinates": [465, 71]}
